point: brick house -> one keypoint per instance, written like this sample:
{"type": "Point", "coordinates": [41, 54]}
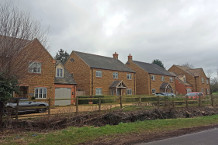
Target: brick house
{"type": "Point", "coordinates": [195, 77]}
{"type": "Point", "coordinates": [151, 78]}
{"type": "Point", "coordinates": [100, 75]}
{"type": "Point", "coordinates": [36, 77]}
{"type": "Point", "coordinates": [65, 86]}
{"type": "Point", "coordinates": [182, 86]}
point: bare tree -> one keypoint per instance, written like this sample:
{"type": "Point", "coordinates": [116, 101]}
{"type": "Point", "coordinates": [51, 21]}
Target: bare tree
{"type": "Point", "coordinates": [17, 29]}
{"type": "Point", "coordinates": [188, 65]}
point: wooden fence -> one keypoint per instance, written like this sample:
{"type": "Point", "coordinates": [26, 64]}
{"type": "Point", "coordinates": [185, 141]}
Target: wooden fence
{"type": "Point", "coordinates": [114, 102]}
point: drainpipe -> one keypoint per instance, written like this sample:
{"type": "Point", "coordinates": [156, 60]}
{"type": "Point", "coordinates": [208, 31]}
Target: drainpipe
{"type": "Point", "coordinates": [92, 83]}
{"type": "Point", "coordinates": [195, 84]}
{"type": "Point", "coordinates": [150, 84]}
{"type": "Point", "coordinates": [134, 84]}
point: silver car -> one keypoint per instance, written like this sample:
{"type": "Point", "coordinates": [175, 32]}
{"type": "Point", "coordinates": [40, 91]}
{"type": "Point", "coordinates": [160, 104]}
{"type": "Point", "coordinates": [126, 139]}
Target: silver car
{"type": "Point", "coordinates": [26, 106]}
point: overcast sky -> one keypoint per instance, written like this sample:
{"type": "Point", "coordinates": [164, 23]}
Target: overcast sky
{"type": "Point", "coordinates": [174, 31]}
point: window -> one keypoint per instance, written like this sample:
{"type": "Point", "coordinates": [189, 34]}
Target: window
{"type": "Point", "coordinates": [99, 74]}
{"type": "Point", "coordinates": [153, 91]}
{"type": "Point", "coordinates": [208, 91]}
{"type": "Point", "coordinates": [35, 67]}
{"type": "Point", "coordinates": [162, 78]}
{"type": "Point", "coordinates": [129, 91]}
{"type": "Point", "coordinates": [153, 77]}
{"type": "Point", "coordinates": [98, 91]}
{"type": "Point", "coordinates": [202, 90]}
{"type": "Point", "coordinates": [129, 76]}
{"type": "Point", "coordinates": [188, 90]}
{"type": "Point", "coordinates": [202, 80]}
{"type": "Point", "coordinates": [207, 81]}
{"type": "Point", "coordinates": [40, 93]}
{"type": "Point", "coordinates": [184, 79]}
{"type": "Point", "coordinates": [171, 79]}
{"type": "Point", "coordinates": [115, 75]}
{"type": "Point", "coordinates": [59, 72]}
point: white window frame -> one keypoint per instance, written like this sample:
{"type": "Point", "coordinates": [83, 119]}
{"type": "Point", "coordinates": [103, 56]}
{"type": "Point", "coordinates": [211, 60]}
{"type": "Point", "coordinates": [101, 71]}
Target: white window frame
{"type": "Point", "coordinates": [37, 69]}
{"type": "Point", "coordinates": [202, 80]}
{"type": "Point", "coordinates": [115, 75]}
{"type": "Point", "coordinates": [129, 91]}
{"type": "Point", "coordinates": [153, 91]}
{"type": "Point", "coordinates": [40, 93]}
{"type": "Point", "coordinates": [153, 77]}
{"type": "Point", "coordinates": [162, 78]}
{"type": "Point", "coordinates": [60, 73]}
{"type": "Point", "coordinates": [129, 76]}
{"type": "Point", "coordinates": [98, 91]}
{"type": "Point", "coordinates": [98, 74]}
{"type": "Point", "coordinates": [207, 81]}
{"type": "Point", "coordinates": [171, 79]}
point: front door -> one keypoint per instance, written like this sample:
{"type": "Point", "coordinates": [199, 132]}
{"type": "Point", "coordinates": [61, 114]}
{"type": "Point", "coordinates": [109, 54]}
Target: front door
{"type": "Point", "coordinates": [118, 92]}
{"type": "Point", "coordinates": [23, 92]}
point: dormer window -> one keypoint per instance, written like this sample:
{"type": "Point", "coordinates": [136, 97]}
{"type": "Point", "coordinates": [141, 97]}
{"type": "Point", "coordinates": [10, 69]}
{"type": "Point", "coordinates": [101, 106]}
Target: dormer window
{"type": "Point", "coordinates": [59, 73]}
{"type": "Point", "coordinates": [35, 67]}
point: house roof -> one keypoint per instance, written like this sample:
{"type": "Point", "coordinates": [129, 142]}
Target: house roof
{"type": "Point", "coordinates": [102, 62]}
{"type": "Point", "coordinates": [153, 68]}
{"type": "Point", "coordinates": [194, 72]}
{"type": "Point", "coordinates": [67, 79]}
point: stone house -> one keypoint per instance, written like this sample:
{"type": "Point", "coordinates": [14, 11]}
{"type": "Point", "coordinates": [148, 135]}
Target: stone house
{"type": "Point", "coordinates": [196, 77]}
{"type": "Point", "coordinates": [151, 78]}
{"type": "Point", "coordinates": [100, 75]}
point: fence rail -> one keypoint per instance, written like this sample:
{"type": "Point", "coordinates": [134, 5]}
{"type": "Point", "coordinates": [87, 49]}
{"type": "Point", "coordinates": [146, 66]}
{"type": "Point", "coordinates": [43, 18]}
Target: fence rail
{"type": "Point", "coordinates": [88, 104]}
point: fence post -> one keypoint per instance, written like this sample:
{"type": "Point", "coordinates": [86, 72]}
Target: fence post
{"type": "Point", "coordinates": [49, 106]}
{"type": "Point", "coordinates": [158, 102]}
{"type": "Point", "coordinates": [186, 101]}
{"type": "Point", "coordinates": [140, 100]}
{"type": "Point", "coordinates": [199, 101]}
{"type": "Point", "coordinates": [212, 101]}
{"type": "Point", "coordinates": [99, 104]}
{"type": "Point", "coordinates": [173, 102]}
{"type": "Point", "coordinates": [17, 109]}
{"type": "Point", "coordinates": [121, 105]}
{"type": "Point", "coordinates": [77, 104]}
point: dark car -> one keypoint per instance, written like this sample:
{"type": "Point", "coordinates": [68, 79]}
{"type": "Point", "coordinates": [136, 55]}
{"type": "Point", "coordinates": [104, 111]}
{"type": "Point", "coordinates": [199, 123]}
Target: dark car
{"type": "Point", "coordinates": [26, 106]}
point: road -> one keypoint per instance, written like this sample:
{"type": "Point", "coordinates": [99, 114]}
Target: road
{"type": "Point", "coordinates": [207, 137]}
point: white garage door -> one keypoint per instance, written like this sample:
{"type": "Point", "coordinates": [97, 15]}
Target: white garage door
{"type": "Point", "coordinates": [62, 93]}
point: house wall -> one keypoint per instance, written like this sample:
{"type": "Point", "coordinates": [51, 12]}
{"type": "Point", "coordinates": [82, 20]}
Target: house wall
{"type": "Point", "coordinates": [155, 84]}
{"type": "Point", "coordinates": [107, 79]}
{"type": "Point", "coordinates": [203, 86]}
{"type": "Point", "coordinates": [36, 52]}
{"type": "Point", "coordinates": [141, 78]}
{"type": "Point", "coordinates": [81, 73]}
{"type": "Point", "coordinates": [181, 89]}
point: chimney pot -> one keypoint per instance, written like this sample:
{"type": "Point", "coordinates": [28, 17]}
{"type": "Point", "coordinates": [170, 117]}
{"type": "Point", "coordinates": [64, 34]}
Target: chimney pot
{"type": "Point", "coordinates": [129, 58]}
{"type": "Point", "coordinates": [115, 55]}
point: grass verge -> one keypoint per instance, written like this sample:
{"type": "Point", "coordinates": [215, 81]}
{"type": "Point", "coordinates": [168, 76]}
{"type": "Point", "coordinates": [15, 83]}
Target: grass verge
{"type": "Point", "coordinates": [76, 135]}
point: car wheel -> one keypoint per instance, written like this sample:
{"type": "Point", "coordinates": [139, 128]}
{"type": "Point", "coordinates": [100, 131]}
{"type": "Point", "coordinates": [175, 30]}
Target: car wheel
{"type": "Point", "coordinates": [41, 110]}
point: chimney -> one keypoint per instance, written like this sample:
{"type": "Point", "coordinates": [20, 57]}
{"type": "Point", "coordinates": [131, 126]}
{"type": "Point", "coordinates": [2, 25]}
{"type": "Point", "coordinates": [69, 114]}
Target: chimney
{"type": "Point", "coordinates": [129, 58]}
{"type": "Point", "coordinates": [115, 55]}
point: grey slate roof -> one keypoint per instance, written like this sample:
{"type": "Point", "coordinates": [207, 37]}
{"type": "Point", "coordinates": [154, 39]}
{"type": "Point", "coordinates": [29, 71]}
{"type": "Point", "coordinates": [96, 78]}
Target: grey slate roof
{"type": "Point", "coordinates": [153, 68]}
{"type": "Point", "coordinates": [102, 62]}
{"type": "Point", "coordinates": [67, 79]}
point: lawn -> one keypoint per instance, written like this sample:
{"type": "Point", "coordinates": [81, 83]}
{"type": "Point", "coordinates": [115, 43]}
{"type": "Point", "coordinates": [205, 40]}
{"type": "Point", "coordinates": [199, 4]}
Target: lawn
{"type": "Point", "coordinates": [76, 135]}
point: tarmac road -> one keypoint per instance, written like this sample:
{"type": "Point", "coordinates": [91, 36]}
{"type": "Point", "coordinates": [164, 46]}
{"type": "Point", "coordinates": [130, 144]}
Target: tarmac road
{"type": "Point", "coordinates": [207, 137]}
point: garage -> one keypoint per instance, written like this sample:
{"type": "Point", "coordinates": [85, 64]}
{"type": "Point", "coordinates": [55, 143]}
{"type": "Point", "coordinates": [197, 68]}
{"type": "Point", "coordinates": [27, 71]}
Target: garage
{"type": "Point", "coordinates": [62, 93]}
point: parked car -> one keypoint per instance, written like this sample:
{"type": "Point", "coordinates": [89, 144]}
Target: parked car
{"type": "Point", "coordinates": [169, 94]}
{"type": "Point", "coordinates": [194, 95]}
{"type": "Point", "coordinates": [165, 94]}
{"type": "Point", "coordinates": [26, 106]}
